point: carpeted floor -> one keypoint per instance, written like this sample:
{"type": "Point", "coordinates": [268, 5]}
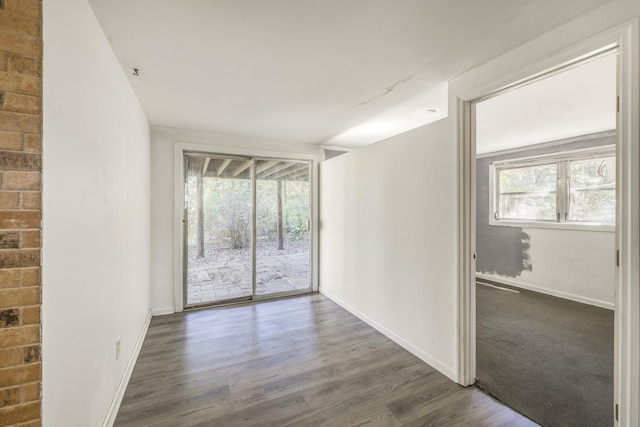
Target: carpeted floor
{"type": "Point", "coordinates": [549, 358]}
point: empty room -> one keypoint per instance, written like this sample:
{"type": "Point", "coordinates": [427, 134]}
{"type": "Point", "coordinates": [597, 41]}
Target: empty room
{"type": "Point", "coordinates": [269, 213]}
{"type": "Point", "coordinates": [546, 213]}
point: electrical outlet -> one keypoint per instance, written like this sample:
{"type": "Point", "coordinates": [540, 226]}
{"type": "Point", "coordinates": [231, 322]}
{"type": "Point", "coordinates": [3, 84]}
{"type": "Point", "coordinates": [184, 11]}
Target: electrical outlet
{"type": "Point", "coordinates": [117, 348]}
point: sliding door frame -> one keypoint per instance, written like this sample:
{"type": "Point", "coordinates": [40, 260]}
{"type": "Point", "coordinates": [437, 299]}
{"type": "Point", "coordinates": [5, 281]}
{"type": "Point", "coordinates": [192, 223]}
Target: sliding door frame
{"type": "Point", "coordinates": [254, 203]}
{"type": "Point", "coordinates": [185, 225]}
{"type": "Point", "coordinates": [181, 149]}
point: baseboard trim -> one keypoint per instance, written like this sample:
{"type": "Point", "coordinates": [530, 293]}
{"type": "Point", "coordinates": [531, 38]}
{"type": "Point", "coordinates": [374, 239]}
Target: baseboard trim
{"type": "Point", "coordinates": [124, 381]}
{"type": "Point", "coordinates": [547, 291]}
{"type": "Point", "coordinates": [161, 311]}
{"type": "Point", "coordinates": [402, 342]}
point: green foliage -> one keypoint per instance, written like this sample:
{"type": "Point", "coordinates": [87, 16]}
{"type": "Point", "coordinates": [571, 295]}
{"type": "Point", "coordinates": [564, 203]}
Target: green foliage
{"type": "Point", "coordinates": [298, 229]}
{"type": "Point", "coordinates": [529, 192]}
{"type": "Point", "coordinates": [528, 179]}
{"type": "Point", "coordinates": [295, 209]}
{"type": "Point", "coordinates": [227, 207]}
{"type": "Point", "coordinates": [227, 211]}
{"type": "Point", "coordinates": [593, 196]}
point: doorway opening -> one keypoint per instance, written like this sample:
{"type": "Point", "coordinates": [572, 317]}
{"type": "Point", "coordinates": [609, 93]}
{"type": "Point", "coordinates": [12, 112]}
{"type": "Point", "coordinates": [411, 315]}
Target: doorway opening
{"type": "Point", "coordinates": [627, 249]}
{"type": "Point", "coordinates": [246, 228]}
{"type": "Point", "coordinates": [545, 235]}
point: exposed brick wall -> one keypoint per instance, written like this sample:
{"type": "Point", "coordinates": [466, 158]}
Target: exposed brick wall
{"type": "Point", "coordinates": [20, 211]}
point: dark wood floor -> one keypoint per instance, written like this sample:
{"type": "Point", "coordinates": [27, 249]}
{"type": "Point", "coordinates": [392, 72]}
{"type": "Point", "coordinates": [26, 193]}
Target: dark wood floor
{"type": "Point", "coordinates": [300, 361]}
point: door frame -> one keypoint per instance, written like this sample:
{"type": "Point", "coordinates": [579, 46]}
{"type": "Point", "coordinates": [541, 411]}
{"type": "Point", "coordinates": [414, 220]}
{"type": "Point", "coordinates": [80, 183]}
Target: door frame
{"type": "Point", "coordinates": [627, 314]}
{"type": "Point", "coordinates": [179, 151]}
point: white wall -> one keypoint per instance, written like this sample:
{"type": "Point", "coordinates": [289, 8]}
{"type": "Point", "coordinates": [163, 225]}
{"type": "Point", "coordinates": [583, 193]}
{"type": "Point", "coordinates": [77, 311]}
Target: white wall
{"type": "Point", "coordinates": [387, 239]}
{"type": "Point", "coordinates": [96, 218]}
{"type": "Point", "coordinates": [165, 253]}
{"type": "Point", "coordinates": [404, 280]}
{"type": "Point", "coordinates": [575, 264]}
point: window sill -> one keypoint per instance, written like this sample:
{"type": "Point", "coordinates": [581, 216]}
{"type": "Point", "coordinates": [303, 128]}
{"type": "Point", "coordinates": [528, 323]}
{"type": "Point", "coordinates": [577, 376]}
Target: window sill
{"type": "Point", "coordinates": [584, 226]}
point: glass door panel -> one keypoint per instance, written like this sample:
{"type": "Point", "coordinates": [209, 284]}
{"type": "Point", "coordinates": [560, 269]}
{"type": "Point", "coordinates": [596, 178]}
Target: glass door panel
{"type": "Point", "coordinates": [282, 226]}
{"type": "Point", "coordinates": [217, 229]}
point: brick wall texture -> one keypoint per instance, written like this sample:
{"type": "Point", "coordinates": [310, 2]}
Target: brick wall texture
{"type": "Point", "coordinates": [20, 211]}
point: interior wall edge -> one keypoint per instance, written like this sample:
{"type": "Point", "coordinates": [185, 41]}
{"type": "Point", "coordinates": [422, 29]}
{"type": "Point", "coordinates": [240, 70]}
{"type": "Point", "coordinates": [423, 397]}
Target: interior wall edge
{"type": "Point", "coordinates": [386, 244]}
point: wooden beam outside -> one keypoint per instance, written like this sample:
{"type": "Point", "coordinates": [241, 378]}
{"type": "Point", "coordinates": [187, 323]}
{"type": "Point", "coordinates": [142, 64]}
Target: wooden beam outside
{"type": "Point", "coordinates": [223, 166]}
{"type": "Point", "coordinates": [264, 165]}
{"type": "Point", "coordinates": [206, 165]}
{"type": "Point", "coordinates": [243, 167]}
{"type": "Point", "coordinates": [293, 169]}
{"type": "Point", "coordinates": [297, 176]}
{"type": "Point", "coordinates": [282, 166]}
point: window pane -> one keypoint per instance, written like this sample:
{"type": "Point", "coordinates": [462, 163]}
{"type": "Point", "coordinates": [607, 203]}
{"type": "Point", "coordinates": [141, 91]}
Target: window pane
{"type": "Point", "coordinates": [593, 190]}
{"type": "Point", "coordinates": [283, 200]}
{"type": "Point", "coordinates": [528, 192]}
{"type": "Point", "coordinates": [218, 203]}
{"type": "Point", "coordinates": [528, 179]}
{"type": "Point", "coordinates": [528, 206]}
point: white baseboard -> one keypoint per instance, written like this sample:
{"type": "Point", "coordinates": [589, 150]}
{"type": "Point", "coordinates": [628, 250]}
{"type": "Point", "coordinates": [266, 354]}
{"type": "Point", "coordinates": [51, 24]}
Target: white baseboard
{"type": "Point", "coordinates": [547, 291]}
{"type": "Point", "coordinates": [124, 381]}
{"type": "Point", "coordinates": [425, 357]}
{"type": "Point", "coordinates": [161, 311]}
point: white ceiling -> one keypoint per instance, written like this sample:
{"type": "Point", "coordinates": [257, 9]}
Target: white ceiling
{"type": "Point", "coordinates": [344, 73]}
{"type": "Point", "coordinates": [575, 102]}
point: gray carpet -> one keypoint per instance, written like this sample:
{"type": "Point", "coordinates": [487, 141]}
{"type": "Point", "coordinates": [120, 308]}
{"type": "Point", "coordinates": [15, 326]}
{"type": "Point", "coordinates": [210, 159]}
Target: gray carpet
{"type": "Point", "coordinates": [549, 358]}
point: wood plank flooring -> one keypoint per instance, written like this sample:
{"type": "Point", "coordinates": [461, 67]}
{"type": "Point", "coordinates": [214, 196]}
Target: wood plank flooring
{"type": "Point", "coordinates": [300, 361]}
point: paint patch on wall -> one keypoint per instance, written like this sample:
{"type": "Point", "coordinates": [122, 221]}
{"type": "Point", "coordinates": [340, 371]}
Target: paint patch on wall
{"type": "Point", "coordinates": [503, 251]}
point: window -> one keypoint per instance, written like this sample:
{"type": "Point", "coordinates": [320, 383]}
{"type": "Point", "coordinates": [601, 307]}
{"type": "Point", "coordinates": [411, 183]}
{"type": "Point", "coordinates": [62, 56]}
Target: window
{"type": "Point", "coordinates": [592, 190]}
{"type": "Point", "coordinates": [568, 189]}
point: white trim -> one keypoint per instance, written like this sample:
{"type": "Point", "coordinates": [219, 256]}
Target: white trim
{"type": "Point", "coordinates": [178, 243]}
{"type": "Point", "coordinates": [466, 237]}
{"type": "Point", "coordinates": [547, 291]}
{"type": "Point", "coordinates": [161, 311]}
{"type": "Point", "coordinates": [627, 339]}
{"type": "Point", "coordinates": [402, 342]}
{"type": "Point", "coordinates": [178, 153]}
{"type": "Point", "coordinates": [112, 413]}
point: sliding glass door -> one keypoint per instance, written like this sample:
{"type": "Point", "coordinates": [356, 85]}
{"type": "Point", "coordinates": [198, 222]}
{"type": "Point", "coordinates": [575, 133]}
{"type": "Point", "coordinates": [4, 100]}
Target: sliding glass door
{"type": "Point", "coordinates": [282, 226]}
{"type": "Point", "coordinates": [246, 228]}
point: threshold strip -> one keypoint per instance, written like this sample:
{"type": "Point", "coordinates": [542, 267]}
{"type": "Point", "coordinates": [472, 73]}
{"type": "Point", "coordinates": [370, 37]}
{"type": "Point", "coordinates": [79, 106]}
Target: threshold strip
{"type": "Point", "coordinates": [497, 287]}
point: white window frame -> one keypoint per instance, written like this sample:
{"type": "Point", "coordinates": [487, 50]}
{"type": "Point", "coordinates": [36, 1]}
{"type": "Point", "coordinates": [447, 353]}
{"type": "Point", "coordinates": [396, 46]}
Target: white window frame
{"type": "Point", "coordinates": [562, 205]}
